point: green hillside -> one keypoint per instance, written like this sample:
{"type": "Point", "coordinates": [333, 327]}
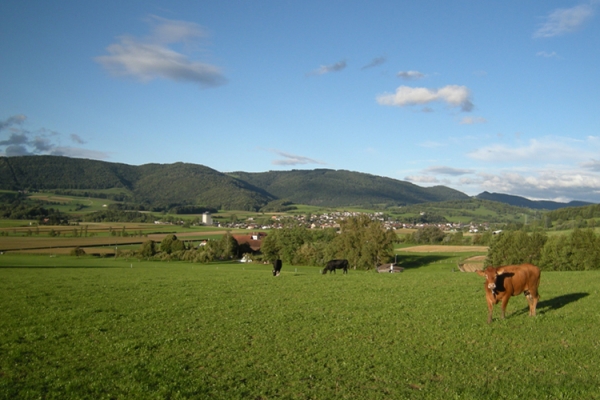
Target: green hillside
{"type": "Point", "coordinates": [533, 204]}
{"type": "Point", "coordinates": [167, 185]}
{"type": "Point", "coordinates": [192, 184]}
{"type": "Point", "coordinates": [157, 185]}
{"type": "Point", "coordinates": [331, 188]}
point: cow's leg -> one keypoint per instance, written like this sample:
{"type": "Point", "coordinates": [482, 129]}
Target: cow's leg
{"type": "Point", "coordinates": [533, 305]}
{"type": "Point", "coordinates": [504, 304]}
{"type": "Point", "coordinates": [490, 311]}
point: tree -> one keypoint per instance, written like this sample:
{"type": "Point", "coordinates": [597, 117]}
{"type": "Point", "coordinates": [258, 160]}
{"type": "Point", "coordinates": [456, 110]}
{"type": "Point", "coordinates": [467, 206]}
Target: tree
{"type": "Point", "coordinates": [171, 244]}
{"type": "Point", "coordinates": [363, 242]}
{"type": "Point", "coordinates": [428, 235]}
{"type": "Point", "coordinates": [516, 247]}
{"type": "Point", "coordinates": [148, 249]}
{"type": "Point", "coordinates": [228, 246]}
{"type": "Point", "coordinates": [77, 252]}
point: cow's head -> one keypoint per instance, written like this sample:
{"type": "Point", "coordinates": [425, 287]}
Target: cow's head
{"type": "Point", "coordinates": [490, 274]}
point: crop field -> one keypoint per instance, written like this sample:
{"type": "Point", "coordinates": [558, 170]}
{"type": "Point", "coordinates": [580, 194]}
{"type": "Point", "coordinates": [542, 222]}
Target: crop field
{"type": "Point", "coordinates": [108, 328]}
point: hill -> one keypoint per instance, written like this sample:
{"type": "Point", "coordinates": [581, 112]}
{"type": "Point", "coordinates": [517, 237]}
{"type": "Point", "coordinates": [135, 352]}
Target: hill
{"type": "Point", "coordinates": [157, 185]}
{"type": "Point", "coordinates": [335, 188]}
{"type": "Point", "coordinates": [166, 185]}
{"type": "Point", "coordinates": [533, 204]}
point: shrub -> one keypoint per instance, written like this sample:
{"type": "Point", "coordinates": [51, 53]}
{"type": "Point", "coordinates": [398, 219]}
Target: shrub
{"type": "Point", "coordinates": [77, 252]}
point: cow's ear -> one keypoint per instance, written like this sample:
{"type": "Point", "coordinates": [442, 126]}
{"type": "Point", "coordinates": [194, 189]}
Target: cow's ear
{"type": "Point", "coordinates": [499, 272]}
{"type": "Point", "coordinates": [480, 272]}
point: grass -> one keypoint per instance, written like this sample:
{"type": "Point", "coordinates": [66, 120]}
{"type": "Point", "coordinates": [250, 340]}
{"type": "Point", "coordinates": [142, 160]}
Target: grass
{"type": "Point", "coordinates": [98, 328]}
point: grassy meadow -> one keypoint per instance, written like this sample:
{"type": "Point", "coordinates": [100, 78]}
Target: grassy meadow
{"type": "Point", "coordinates": [109, 328]}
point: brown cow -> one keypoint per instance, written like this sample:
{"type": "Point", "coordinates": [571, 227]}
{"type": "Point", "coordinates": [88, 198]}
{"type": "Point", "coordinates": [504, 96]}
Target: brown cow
{"type": "Point", "coordinates": [503, 282]}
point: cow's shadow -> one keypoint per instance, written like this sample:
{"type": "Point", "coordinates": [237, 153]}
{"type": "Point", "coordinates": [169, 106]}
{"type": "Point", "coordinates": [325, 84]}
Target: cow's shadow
{"type": "Point", "coordinates": [554, 303]}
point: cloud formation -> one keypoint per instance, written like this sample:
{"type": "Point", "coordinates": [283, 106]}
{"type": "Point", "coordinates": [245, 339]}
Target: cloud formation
{"type": "Point", "coordinates": [151, 58]}
{"type": "Point", "coordinates": [422, 179]}
{"type": "Point", "coordinates": [410, 75]}
{"type": "Point", "coordinates": [552, 184]}
{"type": "Point", "coordinates": [17, 141]}
{"type": "Point", "coordinates": [375, 62]}
{"type": "Point", "coordinates": [564, 20]}
{"type": "Point", "coordinates": [453, 95]}
{"type": "Point", "coordinates": [546, 150]}
{"type": "Point", "coordinates": [442, 170]}
{"type": "Point", "coordinates": [292, 159]}
{"type": "Point", "coordinates": [325, 69]}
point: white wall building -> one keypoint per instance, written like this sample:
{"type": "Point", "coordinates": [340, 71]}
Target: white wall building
{"type": "Point", "coordinates": [207, 218]}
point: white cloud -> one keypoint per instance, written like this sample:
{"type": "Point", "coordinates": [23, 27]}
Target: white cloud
{"type": "Point", "coordinates": [453, 95]}
{"type": "Point", "coordinates": [410, 75]}
{"type": "Point", "coordinates": [292, 159]}
{"type": "Point", "coordinates": [152, 58]}
{"type": "Point", "coordinates": [567, 184]}
{"type": "Point", "coordinates": [325, 69]}
{"type": "Point", "coordinates": [537, 150]}
{"type": "Point", "coordinates": [564, 20]}
{"type": "Point", "coordinates": [424, 179]}
{"type": "Point", "coordinates": [546, 54]}
{"type": "Point", "coordinates": [473, 120]}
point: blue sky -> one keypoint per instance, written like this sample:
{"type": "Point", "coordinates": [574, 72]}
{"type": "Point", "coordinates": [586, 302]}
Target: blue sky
{"type": "Point", "coordinates": [502, 96]}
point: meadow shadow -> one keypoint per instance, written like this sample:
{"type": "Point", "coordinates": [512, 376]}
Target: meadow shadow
{"type": "Point", "coordinates": [417, 260]}
{"type": "Point", "coordinates": [554, 303]}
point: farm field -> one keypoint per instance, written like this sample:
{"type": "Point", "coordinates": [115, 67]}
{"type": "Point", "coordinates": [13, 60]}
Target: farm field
{"type": "Point", "coordinates": [110, 328]}
{"type": "Point", "coordinates": [99, 239]}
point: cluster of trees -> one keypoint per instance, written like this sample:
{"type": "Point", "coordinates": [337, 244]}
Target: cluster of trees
{"type": "Point", "coordinates": [118, 216]}
{"type": "Point", "coordinates": [363, 242]}
{"type": "Point", "coordinates": [576, 251]}
{"type": "Point", "coordinates": [435, 235]}
{"type": "Point", "coordinates": [172, 248]}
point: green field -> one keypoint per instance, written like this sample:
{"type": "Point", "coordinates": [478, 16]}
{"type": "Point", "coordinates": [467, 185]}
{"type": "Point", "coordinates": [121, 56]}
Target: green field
{"type": "Point", "coordinates": [104, 328]}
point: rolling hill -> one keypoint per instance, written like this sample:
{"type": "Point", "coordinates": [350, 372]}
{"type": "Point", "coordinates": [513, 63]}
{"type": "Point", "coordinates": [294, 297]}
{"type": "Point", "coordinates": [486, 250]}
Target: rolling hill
{"type": "Point", "coordinates": [166, 185]}
{"type": "Point", "coordinates": [533, 204]}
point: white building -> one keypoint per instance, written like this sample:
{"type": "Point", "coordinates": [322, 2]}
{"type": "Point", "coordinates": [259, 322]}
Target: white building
{"type": "Point", "coordinates": [206, 218]}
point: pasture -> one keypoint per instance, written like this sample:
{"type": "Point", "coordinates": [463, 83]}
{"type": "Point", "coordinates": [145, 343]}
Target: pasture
{"type": "Point", "coordinates": [110, 328]}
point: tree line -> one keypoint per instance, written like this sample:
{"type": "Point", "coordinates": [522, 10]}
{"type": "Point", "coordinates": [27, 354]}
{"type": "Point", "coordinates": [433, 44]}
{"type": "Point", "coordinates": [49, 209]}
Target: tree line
{"type": "Point", "coordinates": [363, 242]}
{"type": "Point", "coordinates": [576, 251]}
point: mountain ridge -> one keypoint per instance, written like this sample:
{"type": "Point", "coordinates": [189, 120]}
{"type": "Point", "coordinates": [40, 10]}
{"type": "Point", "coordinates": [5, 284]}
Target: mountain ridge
{"type": "Point", "coordinates": [166, 185]}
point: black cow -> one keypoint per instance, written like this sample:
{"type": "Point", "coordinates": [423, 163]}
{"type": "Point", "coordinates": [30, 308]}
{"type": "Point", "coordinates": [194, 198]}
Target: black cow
{"type": "Point", "coordinates": [336, 264]}
{"type": "Point", "coordinates": [276, 267]}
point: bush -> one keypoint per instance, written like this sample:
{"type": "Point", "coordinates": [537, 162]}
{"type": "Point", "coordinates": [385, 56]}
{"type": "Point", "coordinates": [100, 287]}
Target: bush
{"type": "Point", "coordinates": [77, 252]}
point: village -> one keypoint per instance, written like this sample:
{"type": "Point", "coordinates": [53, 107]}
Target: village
{"type": "Point", "coordinates": [332, 220]}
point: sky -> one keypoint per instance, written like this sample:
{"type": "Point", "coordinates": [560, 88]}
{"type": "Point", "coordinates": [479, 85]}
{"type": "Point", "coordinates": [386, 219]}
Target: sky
{"type": "Point", "coordinates": [497, 96]}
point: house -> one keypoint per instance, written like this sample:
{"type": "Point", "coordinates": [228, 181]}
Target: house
{"type": "Point", "coordinates": [253, 240]}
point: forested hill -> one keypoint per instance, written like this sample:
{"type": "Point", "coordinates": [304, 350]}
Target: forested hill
{"type": "Point", "coordinates": [166, 185]}
{"type": "Point", "coordinates": [326, 187]}
{"type": "Point", "coordinates": [523, 202]}
{"type": "Point", "coordinates": [158, 185]}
